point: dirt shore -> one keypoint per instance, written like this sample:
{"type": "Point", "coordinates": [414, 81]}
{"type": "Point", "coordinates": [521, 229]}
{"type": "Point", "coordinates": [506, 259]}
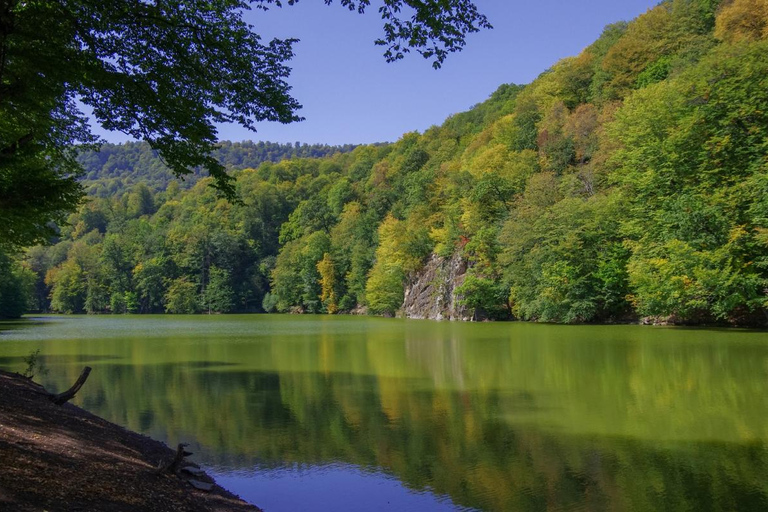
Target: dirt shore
{"type": "Point", "coordinates": [62, 458]}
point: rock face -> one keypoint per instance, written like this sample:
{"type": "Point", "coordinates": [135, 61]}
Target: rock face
{"type": "Point", "coordinates": [430, 293]}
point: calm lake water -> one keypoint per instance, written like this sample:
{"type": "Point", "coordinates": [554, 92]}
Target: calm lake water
{"type": "Point", "coordinates": [353, 413]}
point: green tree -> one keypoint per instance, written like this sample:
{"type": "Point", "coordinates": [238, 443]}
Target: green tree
{"type": "Point", "coordinates": [269, 303]}
{"type": "Point", "coordinates": [181, 297]}
{"type": "Point", "coordinates": [285, 277]}
{"type": "Point", "coordinates": [149, 277]}
{"type": "Point", "coordinates": [384, 289]}
{"type": "Point", "coordinates": [140, 201]}
{"type": "Point", "coordinates": [692, 160]}
{"type": "Point", "coordinates": [486, 297]}
{"type": "Point", "coordinates": [68, 287]}
{"type": "Point", "coordinates": [558, 255]}
{"type": "Point", "coordinates": [17, 285]}
{"type": "Point", "coordinates": [218, 296]}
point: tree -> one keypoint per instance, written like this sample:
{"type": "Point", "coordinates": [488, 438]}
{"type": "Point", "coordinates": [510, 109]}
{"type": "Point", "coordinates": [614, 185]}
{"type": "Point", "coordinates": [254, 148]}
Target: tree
{"type": "Point", "coordinates": [484, 296]}
{"type": "Point", "coordinates": [743, 20]}
{"type": "Point", "coordinates": [394, 260]}
{"type": "Point", "coordinates": [435, 28]}
{"type": "Point", "coordinates": [68, 287]}
{"type": "Point", "coordinates": [218, 296]}
{"type": "Point", "coordinates": [164, 71]}
{"type": "Point", "coordinates": [285, 279]}
{"type": "Point", "coordinates": [149, 280]}
{"type": "Point", "coordinates": [694, 168]}
{"type": "Point", "coordinates": [384, 290]}
{"type": "Point", "coordinates": [17, 285]}
{"type": "Point", "coordinates": [181, 297]}
{"type": "Point", "coordinates": [140, 201]}
{"type": "Point", "coordinates": [327, 273]}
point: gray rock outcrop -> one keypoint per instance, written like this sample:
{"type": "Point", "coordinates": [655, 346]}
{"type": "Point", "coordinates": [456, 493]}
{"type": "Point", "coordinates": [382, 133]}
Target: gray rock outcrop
{"type": "Point", "coordinates": [431, 292]}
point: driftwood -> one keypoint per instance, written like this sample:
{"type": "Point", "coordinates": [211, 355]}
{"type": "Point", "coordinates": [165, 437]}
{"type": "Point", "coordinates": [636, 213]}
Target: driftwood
{"type": "Point", "coordinates": [69, 394]}
{"type": "Point", "coordinates": [175, 464]}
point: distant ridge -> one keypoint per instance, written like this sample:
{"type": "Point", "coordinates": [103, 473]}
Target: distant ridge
{"type": "Point", "coordinates": [115, 168]}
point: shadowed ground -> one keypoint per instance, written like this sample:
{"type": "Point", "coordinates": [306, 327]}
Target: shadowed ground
{"type": "Point", "coordinates": [65, 459]}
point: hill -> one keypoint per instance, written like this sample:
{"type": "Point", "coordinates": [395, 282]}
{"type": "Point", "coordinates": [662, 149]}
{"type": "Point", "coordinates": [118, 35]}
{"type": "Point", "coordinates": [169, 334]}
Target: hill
{"type": "Point", "coordinates": [629, 181]}
{"type": "Point", "coordinates": [115, 168]}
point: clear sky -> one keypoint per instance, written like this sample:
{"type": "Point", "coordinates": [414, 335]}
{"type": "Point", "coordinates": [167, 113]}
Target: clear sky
{"type": "Point", "coordinates": [351, 95]}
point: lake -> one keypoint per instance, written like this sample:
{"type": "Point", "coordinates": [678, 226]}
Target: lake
{"type": "Point", "coordinates": [356, 413]}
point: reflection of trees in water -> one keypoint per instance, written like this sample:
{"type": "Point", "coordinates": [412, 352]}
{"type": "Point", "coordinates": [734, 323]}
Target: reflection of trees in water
{"type": "Point", "coordinates": [453, 441]}
{"type": "Point", "coordinates": [442, 361]}
{"type": "Point", "coordinates": [509, 420]}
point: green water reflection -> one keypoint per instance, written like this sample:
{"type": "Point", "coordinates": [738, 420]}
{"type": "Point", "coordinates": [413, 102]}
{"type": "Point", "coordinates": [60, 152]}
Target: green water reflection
{"type": "Point", "coordinates": [496, 416]}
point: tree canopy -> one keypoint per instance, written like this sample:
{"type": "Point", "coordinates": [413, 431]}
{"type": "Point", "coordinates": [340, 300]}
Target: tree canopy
{"type": "Point", "coordinates": [163, 71]}
{"type": "Point", "coordinates": [607, 189]}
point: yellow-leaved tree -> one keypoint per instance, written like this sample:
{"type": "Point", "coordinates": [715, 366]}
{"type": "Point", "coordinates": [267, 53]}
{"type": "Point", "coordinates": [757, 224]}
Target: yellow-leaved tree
{"type": "Point", "coordinates": [328, 283]}
{"type": "Point", "coordinates": [742, 20]}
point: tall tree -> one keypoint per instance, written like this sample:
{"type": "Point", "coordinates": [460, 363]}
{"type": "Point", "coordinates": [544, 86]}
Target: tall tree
{"type": "Point", "coordinates": [218, 296]}
{"type": "Point", "coordinates": [16, 287]}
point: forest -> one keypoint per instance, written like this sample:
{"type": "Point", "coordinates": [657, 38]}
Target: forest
{"type": "Point", "coordinates": [628, 182]}
{"type": "Point", "coordinates": [114, 168]}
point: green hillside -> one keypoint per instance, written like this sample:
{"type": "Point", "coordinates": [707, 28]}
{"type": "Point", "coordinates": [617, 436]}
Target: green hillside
{"type": "Point", "coordinates": [628, 181]}
{"type": "Point", "coordinates": [117, 167]}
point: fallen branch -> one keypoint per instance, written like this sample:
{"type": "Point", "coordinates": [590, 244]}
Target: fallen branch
{"type": "Point", "coordinates": [174, 465]}
{"type": "Point", "coordinates": [69, 394]}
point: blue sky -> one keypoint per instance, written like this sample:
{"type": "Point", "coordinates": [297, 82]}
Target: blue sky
{"type": "Point", "coordinates": [351, 95]}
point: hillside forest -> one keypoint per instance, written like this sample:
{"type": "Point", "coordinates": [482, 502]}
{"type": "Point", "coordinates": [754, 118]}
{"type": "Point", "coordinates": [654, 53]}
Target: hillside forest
{"type": "Point", "coordinates": [627, 182]}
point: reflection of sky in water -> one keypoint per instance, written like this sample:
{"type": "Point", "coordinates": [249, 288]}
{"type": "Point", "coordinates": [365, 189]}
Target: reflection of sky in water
{"type": "Point", "coordinates": [332, 488]}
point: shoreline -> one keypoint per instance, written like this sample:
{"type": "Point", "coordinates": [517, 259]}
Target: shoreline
{"type": "Point", "coordinates": [63, 458]}
{"type": "Point", "coordinates": [628, 321]}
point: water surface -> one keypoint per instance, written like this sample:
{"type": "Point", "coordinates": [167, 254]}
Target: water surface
{"type": "Point", "coordinates": [355, 413]}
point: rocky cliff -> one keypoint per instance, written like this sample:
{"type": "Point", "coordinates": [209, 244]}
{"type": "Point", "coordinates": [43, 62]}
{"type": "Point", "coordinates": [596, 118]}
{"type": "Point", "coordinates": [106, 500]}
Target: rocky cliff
{"type": "Point", "coordinates": [430, 293]}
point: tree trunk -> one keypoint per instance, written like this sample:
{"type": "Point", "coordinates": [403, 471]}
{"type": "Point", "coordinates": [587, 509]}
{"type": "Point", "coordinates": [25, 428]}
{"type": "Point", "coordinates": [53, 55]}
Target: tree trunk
{"type": "Point", "coordinates": [69, 394]}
